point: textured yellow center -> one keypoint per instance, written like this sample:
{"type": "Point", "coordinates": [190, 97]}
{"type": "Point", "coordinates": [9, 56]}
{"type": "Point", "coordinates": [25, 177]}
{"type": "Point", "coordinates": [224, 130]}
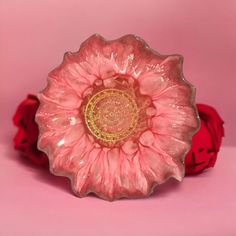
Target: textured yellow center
{"type": "Point", "coordinates": [111, 115]}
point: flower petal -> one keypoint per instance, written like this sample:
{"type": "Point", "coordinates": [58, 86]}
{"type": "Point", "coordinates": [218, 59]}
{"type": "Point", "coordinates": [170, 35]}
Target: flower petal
{"type": "Point", "coordinates": [176, 121]}
{"type": "Point", "coordinates": [60, 94]}
{"type": "Point", "coordinates": [72, 72]}
{"type": "Point", "coordinates": [103, 173]}
{"type": "Point", "coordinates": [68, 160]}
{"type": "Point", "coordinates": [81, 181]}
{"type": "Point", "coordinates": [59, 121]}
{"type": "Point", "coordinates": [55, 140]}
{"type": "Point", "coordinates": [163, 125]}
{"type": "Point", "coordinates": [147, 138]}
{"type": "Point", "coordinates": [152, 84]}
{"type": "Point", "coordinates": [176, 95]}
{"type": "Point", "coordinates": [100, 182]}
{"type": "Point", "coordinates": [169, 74]}
{"type": "Point", "coordinates": [175, 113]}
{"type": "Point", "coordinates": [173, 67]}
{"type": "Point", "coordinates": [129, 55]}
{"type": "Point", "coordinates": [173, 147]}
{"type": "Point", "coordinates": [159, 166]}
{"type": "Point", "coordinates": [130, 179]}
{"type": "Point", "coordinates": [113, 175]}
{"type": "Point", "coordinates": [137, 58]}
{"type": "Point", "coordinates": [130, 147]}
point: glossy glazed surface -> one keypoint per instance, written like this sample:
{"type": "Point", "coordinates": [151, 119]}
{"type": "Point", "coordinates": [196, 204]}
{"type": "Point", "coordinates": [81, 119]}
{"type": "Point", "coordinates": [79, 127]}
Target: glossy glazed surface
{"type": "Point", "coordinates": [162, 119]}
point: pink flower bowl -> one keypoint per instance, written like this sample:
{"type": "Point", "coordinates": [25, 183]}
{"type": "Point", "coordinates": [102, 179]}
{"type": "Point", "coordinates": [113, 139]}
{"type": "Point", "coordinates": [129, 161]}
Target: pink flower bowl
{"type": "Point", "coordinates": [117, 118]}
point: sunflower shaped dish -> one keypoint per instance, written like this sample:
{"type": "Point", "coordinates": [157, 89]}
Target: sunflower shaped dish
{"type": "Point", "coordinates": [117, 118]}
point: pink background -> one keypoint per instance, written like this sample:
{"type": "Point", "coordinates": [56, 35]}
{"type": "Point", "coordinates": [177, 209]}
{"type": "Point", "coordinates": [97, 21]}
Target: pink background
{"type": "Point", "coordinates": [33, 38]}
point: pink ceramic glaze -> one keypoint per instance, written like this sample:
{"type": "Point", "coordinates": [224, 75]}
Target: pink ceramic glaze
{"type": "Point", "coordinates": [117, 118]}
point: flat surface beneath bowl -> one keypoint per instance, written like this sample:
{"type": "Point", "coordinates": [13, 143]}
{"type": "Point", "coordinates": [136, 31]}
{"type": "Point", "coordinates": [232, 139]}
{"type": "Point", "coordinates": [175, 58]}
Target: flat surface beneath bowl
{"type": "Point", "coordinates": [34, 202]}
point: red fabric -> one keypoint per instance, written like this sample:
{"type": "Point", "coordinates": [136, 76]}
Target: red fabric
{"type": "Point", "coordinates": [206, 142]}
{"type": "Point", "coordinates": [203, 154]}
{"type": "Point", "coordinates": [26, 137]}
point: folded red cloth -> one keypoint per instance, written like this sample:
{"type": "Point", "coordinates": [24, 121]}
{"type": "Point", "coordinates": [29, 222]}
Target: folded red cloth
{"type": "Point", "coordinates": [26, 137]}
{"type": "Point", "coordinates": [206, 142]}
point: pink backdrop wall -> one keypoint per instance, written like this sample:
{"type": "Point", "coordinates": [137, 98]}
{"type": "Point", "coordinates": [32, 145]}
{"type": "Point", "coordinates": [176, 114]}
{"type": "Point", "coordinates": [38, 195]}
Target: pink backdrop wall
{"type": "Point", "coordinates": [35, 34]}
{"type": "Point", "coordinates": [33, 38]}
